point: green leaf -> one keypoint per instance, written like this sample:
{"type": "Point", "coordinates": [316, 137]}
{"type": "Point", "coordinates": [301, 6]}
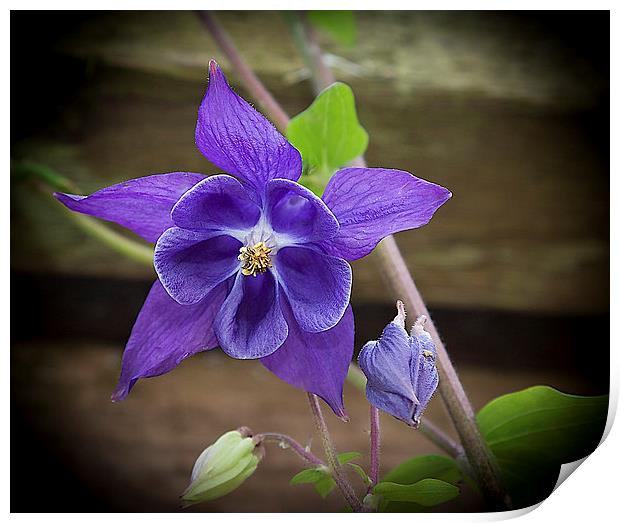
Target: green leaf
{"type": "Point", "coordinates": [308, 476]}
{"type": "Point", "coordinates": [328, 135]}
{"type": "Point", "coordinates": [319, 477]}
{"type": "Point", "coordinates": [534, 431]}
{"type": "Point", "coordinates": [345, 457]}
{"type": "Point", "coordinates": [416, 469]}
{"type": "Point", "coordinates": [339, 24]}
{"type": "Point", "coordinates": [325, 485]}
{"type": "Point", "coordinates": [422, 467]}
{"type": "Point", "coordinates": [360, 472]}
{"type": "Point", "coordinates": [427, 492]}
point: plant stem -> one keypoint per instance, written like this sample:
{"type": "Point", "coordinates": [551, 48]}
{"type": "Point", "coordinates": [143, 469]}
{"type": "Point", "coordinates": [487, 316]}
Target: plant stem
{"type": "Point", "coordinates": [375, 445]}
{"type": "Point", "coordinates": [332, 457]}
{"type": "Point", "coordinates": [356, 377]}
{"type": "Point", "coordinates": [129, 248]}
{"type": "Point", "coordinates": [50, 180]}
{"type": "Point", "coordinates": [441, 439]}
{"type": "Point", "coordinates": [289, 442]}
{"type": "Point", "coordinates": [309, 49]}
{"type": "Point", "coordinates": [400, 281]}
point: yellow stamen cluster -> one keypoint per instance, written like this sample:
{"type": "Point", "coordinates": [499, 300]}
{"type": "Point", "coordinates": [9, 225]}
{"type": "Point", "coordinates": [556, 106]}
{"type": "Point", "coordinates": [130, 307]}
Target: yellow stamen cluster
{"type": "Point", "coordinates": [255, 259]}
{"type": "Point", "coordinates": [428, 354]}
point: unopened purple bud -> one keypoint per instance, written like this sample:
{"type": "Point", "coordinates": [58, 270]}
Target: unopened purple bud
{"type": "Point", "coordinates": [400, 369]}
{"type": "Point", "coordinates": [424, 375]}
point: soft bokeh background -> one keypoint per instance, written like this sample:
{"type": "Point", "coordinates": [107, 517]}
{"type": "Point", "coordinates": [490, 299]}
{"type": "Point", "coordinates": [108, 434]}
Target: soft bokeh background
{"type": "Point", "coordinates": [508, 110]}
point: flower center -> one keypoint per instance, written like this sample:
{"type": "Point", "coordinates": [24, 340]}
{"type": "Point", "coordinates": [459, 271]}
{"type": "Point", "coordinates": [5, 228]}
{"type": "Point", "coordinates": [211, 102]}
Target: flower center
{"type": "Point", "coordinates": [254, 259]}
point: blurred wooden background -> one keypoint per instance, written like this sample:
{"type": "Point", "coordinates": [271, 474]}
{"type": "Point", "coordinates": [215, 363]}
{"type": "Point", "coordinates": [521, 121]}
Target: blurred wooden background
{"type": "Point", "coordinates": [503, 109]}
{"type": "Point", "coordinates": [507, 110]}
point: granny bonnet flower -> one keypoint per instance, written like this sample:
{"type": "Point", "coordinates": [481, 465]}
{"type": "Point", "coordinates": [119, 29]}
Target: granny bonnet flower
{"type": "Point", "coordinates": [401, 371]}
{"type": "Point", "coordinates": [251, 261]}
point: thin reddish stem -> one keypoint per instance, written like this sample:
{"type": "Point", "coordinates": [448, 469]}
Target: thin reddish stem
{"type": "Point", "coordinates": [291, 443]}
{"type": "Point", "coordinates": [375, 445]}
{"type": "Point", "coordinates": [332, 456]}
{"type": "Point", "coordinates": [262, 96]}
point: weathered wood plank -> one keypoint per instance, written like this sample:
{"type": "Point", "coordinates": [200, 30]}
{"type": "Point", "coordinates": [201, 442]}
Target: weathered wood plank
{"type": "Point", "coordinates": [137, 455]}
{"type": "Point", "coordinates": [461, 101]}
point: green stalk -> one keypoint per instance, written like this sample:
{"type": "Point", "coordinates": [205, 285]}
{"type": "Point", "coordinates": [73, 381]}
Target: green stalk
{"type": "Point", "coordinates": [332, 456]}
{"type": "Point", "coordinates": [131, 249]}
{"type": "Point", "coordinates": [52, 181]}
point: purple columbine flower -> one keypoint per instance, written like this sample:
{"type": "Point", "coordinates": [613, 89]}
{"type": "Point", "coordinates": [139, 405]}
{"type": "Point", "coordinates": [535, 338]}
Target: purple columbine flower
{"type": "Point", "coordinates": [400, 369]}
{"type": "Point", "coordinates": [251, 261]}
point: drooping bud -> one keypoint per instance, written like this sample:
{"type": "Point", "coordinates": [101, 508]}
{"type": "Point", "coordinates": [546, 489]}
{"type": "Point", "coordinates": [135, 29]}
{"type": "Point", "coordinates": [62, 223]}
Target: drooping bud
{"type": "Point", "coordinates": [424, 375]}
{"type": "Point", "coordinates": [223, 466]}
{"type": "Point", "coordinates": [400, 369]}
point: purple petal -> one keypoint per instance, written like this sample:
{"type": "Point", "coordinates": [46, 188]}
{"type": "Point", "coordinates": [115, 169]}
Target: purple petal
{"type": "Point", "coordinates": [241, 141]}
{"type": "Point", "coordinates": [218, 202]}
{"type": "Point", "coordinates": [318, 286]}
{"type": "Point", "coordinates": [396, 405]}
{"type": "Point", "coordinates": [424, 375]}
{"type": "Point", "coordinates": [316, 362]}
{"type": "Point", "coordinates": [166, 333]}
{"type": "Point", "coordinates": [387, 362]}
{"type": "Point", "coordinates": [250, 323]}
{"type": "Point", "coordinates": [190, 264]}
{"type": "Point", "coordinates": [142, 205]}
{"type": "Point", "coordinates": [296, 212]}
{"type": "Point", "coordinates": [371, 204]}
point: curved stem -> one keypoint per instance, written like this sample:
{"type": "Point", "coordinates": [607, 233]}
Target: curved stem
{"type": "Point", "coordinates": [332, 457]}
{"type": "Point", "coordinates": [289, 442]}
{"type": "Point", "coordinates": [307, 42]}
{"type": "Point", "coordinates": [129, 248]}
{"type": "Point", "coordinates": [49, 180]}
{"type": "Point", "coordinates": [375, 445]}
{"type": "Point", "coordinates": [441, 439]}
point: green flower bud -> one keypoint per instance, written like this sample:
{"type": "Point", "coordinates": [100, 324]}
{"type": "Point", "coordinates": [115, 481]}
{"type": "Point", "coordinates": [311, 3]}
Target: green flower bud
{"type": "Point", "coordinates": [223, 467]}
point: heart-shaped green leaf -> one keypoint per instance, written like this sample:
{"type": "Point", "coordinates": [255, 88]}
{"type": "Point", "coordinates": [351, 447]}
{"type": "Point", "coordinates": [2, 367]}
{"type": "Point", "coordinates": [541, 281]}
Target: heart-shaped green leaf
{"type": "Point", "coordinates": [533, 431]}
{"type": "Point", "coordinates": [328, 135]}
